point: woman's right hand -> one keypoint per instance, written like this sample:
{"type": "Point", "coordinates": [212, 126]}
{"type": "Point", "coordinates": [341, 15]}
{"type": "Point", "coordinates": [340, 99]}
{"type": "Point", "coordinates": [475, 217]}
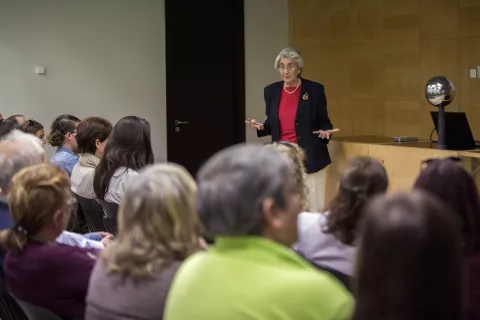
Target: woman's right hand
{"type": "Point", "coordinates": [252, 123]}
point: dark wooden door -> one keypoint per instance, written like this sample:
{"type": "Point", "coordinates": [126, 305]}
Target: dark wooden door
{"type": "Point", "coordinates": [205, 76]}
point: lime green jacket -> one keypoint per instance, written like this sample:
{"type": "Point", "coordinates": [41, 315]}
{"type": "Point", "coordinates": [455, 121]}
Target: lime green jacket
{"type": "Point", "coordinates": [253, 278]}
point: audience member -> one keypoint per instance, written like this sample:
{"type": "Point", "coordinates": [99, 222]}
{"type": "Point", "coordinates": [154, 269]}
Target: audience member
{"type": "Point", "coordinates": [62, 135]}
{"type": "Point", "coordinates": [7, 126]}
{"type": "Point", "coordinates": [452, 184]}
{"type": "Point", "coordinates": [328, 239]}
{"type": "Point", "coordinates": [128, 150]}
{"type": "Point", "coordinates": [409, 261]}
{"type": "Point", "coordinates": [92, 136]}
{"type": "Point", "coordinates": [249, 199]}
{"type": "Point", "coordinates": [37, 269]}
{"type": "Point", "coordinates": [158, 230]}
{"type": "Point", "coordinates": [297, 156]}
{"type": "Point", "coordinates": [34, 127]}
{"type": "Point", "coordinates": [17, 151]}
{"type": "Point", "coordinates": [18, 118]}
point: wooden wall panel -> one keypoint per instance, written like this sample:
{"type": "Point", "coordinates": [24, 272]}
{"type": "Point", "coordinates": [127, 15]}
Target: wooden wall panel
{"type": "Point", "coordinates": [377, 56]}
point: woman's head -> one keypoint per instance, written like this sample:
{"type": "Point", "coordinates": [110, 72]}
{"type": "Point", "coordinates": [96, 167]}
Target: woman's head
{"type": "Point", "coordinates": [297, 156]}
{"type": "Point", "coordinates": [451, 183]}
{"type": "Point", "coordinates": [40, 202]}
{"type": "Point", "coordinates": [362, 179]}
{"type": "Point", "coordinates": [34, 127]}
{"type": "Point", "coordinates": [289, 63]}
{"type": "Point", "coordinates": [63, 131]}
{"type": "Point", "coordinates": [129, 146]}
{"type": "Point", "coordinates": [157, 222]}
{"type": "Point", "coordinates": [92, 135]}
{"type": "Point", "coordinates": [409, 261]}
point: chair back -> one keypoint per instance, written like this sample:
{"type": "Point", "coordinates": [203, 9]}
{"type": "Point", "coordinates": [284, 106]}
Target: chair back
{"type": "Point", "coordinates": [93, 213]}
{"type": "Point", "coordinates": [110, 219]}
{"type": "Point", "coordinates": [34, 312]}
{"type": "Point", "coordinates": [9, 308]}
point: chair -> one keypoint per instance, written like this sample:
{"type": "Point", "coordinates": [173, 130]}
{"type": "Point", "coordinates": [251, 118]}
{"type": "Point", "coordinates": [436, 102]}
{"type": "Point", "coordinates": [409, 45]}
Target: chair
{"type": "Point", "coordinates": [110, 218]}
{"type": "Point", "coordinates": [35, 312]}
{"type": "Point", "coordinates": [93, 212]}
{"type": "Point", "coordinates": [9, 308]}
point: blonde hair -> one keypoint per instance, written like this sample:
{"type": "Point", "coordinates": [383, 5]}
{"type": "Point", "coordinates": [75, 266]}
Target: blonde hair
{"type": "Point", "coordinates": [35, 194]}
{"type": "Point", "coordinates": [157, 222]}
{"type": "Point", "coordinates": [297, 156]}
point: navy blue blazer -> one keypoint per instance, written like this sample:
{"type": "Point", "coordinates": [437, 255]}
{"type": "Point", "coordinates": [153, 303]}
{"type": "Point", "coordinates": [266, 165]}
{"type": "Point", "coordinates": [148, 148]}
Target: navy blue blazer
{"type": "Point", "coordinates": [311, 116]}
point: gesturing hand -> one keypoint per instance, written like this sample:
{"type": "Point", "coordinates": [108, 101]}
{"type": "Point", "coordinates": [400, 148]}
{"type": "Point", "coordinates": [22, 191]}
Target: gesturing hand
{"type": "Point", "coordinates": [326, 134]}
{"type": "Point", "coordinates": [252, 123]}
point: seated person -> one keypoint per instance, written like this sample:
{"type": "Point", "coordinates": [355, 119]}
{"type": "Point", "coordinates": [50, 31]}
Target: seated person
{"type": "Point", "coordinates": [158, 230]}
{"type": "Point", "coordinates": [37, 269]}
{"type": "Point", "coordinates": [328, 239]}
{"type": "Point", "coordinates": [62, 135]}
{"type": "Point", "coordinates": [409, 263]}
{"type": "Point", "coordinates": [92, 136]}
{"type": "Point", "coordinates": [128, 150]}
{"type": "Point", "coordinates": [34, 127]}
{"type": "Point", "coordinates": [447, 180]}
{"type": "Point", "coordinates": [249, 200]}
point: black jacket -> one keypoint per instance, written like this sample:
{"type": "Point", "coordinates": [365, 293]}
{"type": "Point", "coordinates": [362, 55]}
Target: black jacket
{"type": "Point", "coordinates": [311, 116]}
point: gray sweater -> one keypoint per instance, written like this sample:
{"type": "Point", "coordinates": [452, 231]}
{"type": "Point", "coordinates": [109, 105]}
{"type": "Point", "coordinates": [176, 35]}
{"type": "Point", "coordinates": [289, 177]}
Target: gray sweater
{"type": "Point", "coordinates": [323, 248]}
{"type": "Point", "coordinates": [111, 297]}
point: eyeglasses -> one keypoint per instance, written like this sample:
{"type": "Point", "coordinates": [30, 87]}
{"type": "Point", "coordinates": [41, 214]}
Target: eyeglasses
{"type": "Point", "coordinates": [425, 163]}
{"type": "Point", "coordinates": [289, 68]}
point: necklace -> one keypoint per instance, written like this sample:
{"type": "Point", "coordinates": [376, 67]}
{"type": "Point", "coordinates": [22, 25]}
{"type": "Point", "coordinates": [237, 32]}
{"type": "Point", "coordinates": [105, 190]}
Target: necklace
{"type": "Point", "coordinates": [292, 92]}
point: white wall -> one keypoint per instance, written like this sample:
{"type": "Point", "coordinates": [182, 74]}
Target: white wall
{"type": "Point", "coordinates": [103, 57]}
{"type": "Point", "coordinates": [107, 58]}
{"type": "Point", "coordinates": [266, 33]}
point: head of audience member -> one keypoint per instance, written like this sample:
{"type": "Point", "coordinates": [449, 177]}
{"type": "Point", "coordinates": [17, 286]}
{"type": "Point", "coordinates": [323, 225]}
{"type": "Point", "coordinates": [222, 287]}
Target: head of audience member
{"type": "Point", "coordinates": [362, 179]}
{"type": "Point", "coordinates": [157, 222]}
{"type": "Point", "coordinates": [17, 151]}
{"type": "Point", "coordinates": [34, 127]}
{"type": "Point", "coordinates": [129, 146]}
{"type": "Point", "coordinates": [63, 132]}
{"type": "Point", "coordinates": [297, 156]}
{"type": "Point", "coordinates": [453, 185]}
{"type": "Point", "coordinates": [7, 126]}
{"type": "Point", "coordinates": [41, 205]}
{"type": "Point", "coordinates": [409, 262]}
{"type": "Point", "coordinates": [18, 118]}
{"type": "Point", "coordinates": [92, 136]}
{"type": "Point", "coordinates": [249, 190]}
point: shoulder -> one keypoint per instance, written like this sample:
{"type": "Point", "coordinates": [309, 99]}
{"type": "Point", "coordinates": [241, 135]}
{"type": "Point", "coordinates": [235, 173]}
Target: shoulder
{"type": "Point", "coordinates": [307, 219]}
{"type": "Point", "coordinates": [313, 85]}
{"type": "Point", "coordinates": [273, 86]}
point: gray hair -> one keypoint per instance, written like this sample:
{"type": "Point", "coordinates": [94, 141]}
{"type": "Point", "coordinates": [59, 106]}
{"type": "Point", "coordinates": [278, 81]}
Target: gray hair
{"type": "Point", "coordinates": [233, 184]}
{"type": "Point", "coordinates": [17, 151]}
{"type": "Point", "coordinates": [289, 53]}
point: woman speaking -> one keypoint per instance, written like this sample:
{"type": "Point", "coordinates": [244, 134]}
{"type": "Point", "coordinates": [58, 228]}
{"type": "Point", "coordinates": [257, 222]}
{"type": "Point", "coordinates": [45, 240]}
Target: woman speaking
{"type": "Point", "coordinates": [296, 112]}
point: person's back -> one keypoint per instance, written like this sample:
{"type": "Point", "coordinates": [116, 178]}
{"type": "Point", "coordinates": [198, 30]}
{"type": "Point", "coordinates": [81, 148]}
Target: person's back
{"type": "Point", "coordinates": [254, 278]}
{"type": "Point", "coordinates": [53, 276]}
{"type": "Point", "coordinates": [82, 181]}
{"type": "Point", "coordinates": [119, 181]}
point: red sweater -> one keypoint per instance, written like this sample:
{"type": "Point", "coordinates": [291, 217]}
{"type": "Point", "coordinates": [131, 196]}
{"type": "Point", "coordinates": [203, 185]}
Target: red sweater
{"type": "Point", "coordinates": [287, 111]}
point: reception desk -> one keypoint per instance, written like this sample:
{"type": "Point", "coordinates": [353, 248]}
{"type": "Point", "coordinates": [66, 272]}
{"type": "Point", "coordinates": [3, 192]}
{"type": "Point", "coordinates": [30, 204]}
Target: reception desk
{"type": "Point", "coordinates": [401, 160]}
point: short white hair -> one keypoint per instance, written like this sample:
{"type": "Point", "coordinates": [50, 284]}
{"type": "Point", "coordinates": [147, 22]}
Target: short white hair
{"type": "Point", "coordinates": [28, 151]}
{"type": "Point", "coordinates": [289, 53]}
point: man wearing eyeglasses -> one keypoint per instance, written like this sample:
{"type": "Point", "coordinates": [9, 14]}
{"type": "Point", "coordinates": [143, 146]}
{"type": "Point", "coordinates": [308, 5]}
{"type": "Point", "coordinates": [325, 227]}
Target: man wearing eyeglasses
{"type": "Point", "coordinates": [63, 136]}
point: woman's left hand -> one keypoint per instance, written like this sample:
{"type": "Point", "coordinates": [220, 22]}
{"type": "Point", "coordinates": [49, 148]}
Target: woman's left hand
{"type": "Point", "coordinates": [326, 134]}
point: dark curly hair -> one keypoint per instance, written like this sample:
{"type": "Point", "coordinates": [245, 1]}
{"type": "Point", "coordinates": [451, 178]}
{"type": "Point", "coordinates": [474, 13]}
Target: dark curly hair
{"type": "Point", "coordinates": [362, 179]}
{"type": "Point", "coordinates": [89, 130]}
{"type": "Point", "coordinates": [60, 127]}
{"type": "Point", "coordinates": [129, 146]}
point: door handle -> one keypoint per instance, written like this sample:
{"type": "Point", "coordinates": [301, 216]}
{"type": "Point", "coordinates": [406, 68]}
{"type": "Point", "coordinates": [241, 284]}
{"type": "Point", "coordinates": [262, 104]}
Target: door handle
{"type": "Point", "coordinates": [178, 122]}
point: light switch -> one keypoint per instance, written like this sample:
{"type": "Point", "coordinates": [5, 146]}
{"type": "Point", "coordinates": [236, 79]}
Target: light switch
{"type": "Point", "coordinates": [473, 73]}
{"type": "Point", "coordinates": [40, 70]}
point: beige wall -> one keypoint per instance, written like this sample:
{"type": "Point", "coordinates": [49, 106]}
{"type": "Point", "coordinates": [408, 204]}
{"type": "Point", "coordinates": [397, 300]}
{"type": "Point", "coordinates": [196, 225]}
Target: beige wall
{"type": "Point", "coordinates": [266, 33]}
{"type": "Point", "coordinates": [107, 58]}
{"type": "Point", "coordinates": [102, 58]}
{"type": "Point", "coordinates": [375, 56]}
